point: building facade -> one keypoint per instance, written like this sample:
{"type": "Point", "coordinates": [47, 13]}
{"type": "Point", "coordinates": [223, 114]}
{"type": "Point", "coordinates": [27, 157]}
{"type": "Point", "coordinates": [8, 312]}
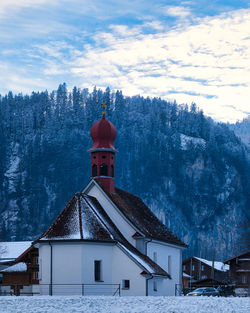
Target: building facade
{"type": "Point", "coordinates": [202, 269]}
{"type": "Point", "coordinates": [106, 240]}
{"type": "Point", "coordinates": [239, 269]}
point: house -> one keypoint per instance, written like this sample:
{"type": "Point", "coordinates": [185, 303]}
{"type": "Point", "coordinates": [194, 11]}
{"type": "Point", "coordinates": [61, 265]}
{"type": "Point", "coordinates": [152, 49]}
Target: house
{"type": "Point", "coordinates": [201, 269]}
{"type": "Point", "coordinates": [10, 251]}
{"type": "Point", "coordinates": [21, 277]}
{"type": "Point", "coordinates": [239, 269]}
{"type": "Point", "coordinates": [185, 281]}
{"type": "Point", "coordinates": [106, 240]}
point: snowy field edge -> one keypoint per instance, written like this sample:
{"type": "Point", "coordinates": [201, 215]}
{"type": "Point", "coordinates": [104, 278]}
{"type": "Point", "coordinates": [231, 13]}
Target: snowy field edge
{"type": "Point", "coordinates": [47, 304]}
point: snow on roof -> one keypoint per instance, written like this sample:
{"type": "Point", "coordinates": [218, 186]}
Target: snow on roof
{"type": "Point", "coordinates": [12, 250]}
{"type": "Point", "coordinates": [19, 267]}
{"type": "Point", "coordinates": [78, 220]}
{"type": "Point", "coordinates": [138, 259]}
{"type": "Point", "coordinates": [220, 266]}
{"type": "Point", "coordinates": [186, 275]}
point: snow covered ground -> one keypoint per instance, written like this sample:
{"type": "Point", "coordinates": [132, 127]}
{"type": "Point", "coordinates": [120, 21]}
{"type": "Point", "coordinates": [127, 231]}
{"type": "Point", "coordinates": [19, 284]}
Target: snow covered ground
{"type": "Point", "coordinates": [124, 305]}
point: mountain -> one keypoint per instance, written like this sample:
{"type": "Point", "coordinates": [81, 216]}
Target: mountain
{"type": "Point", "coordinates": [192, 172]}
{"type": "Point", "coordinates": [242, 130]}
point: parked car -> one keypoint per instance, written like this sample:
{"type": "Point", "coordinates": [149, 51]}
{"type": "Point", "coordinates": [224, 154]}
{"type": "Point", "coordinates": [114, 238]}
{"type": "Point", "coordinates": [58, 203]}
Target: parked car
{"type": "Point", "coordinates": [206, 291]}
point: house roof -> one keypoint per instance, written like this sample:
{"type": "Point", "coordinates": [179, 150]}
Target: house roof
{"type": "Point", "coordinates": [78, 220]}
{"type": "Point", "coordinates": [219, 266]}
{"type": "Point", "coordinates": [239, 255]}
{"type": "Point", "coordinates": [9, 251]}
{"type": "Point", "coordinates": [19, 267]}
{"type": "Point", "coordinates": [84, 219]}
{"type": "Point", "coordinates": [142, 217]}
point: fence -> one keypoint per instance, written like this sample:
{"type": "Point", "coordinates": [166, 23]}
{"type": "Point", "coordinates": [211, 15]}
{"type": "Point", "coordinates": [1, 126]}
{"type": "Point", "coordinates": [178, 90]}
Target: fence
{"type": "Point", "coordinates": [62, 289]}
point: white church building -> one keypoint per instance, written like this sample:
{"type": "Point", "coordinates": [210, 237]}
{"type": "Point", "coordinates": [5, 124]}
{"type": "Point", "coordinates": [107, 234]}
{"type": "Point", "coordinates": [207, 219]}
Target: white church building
{"type": "Point", "coordinates": [106, 240]}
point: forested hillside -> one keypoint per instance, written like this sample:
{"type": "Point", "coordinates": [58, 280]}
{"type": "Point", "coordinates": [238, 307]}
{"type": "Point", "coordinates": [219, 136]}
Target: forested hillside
{"type": "Point", "coordinates": [192, 172]}
{"type": "Point", "coordinates": [242, 130]}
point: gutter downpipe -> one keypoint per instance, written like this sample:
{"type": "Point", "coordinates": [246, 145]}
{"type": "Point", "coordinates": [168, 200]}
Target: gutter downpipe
{"type": "Point", "coordinates": [146, 245]}
{"type": "Point", "coordinates": [146, 252]}
{"type": "Point", "coordinates": [147, 279]}
{"type": "Point", "coordinates": [51, 259]}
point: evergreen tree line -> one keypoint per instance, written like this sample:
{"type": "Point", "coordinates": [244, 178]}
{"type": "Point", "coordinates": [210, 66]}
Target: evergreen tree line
{"type": "Point", "coordinates": [44, 160]}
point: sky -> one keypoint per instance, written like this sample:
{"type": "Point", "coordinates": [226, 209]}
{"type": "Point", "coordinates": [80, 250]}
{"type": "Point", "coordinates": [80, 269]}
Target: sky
{"type": "Point", "coordinates": [188, 51]}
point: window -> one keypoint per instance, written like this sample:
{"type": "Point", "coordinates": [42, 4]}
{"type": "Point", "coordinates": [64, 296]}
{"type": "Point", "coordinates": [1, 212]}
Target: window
{"type": "Point", "coordinates": [155, 257]}
{"type": "Point", "coordinates": [37, 260]}
{"type": "Point", "coordinates": [98, 270]}
{"type": "Point", "coordinates": [94, 170]}
{"type": "Point", "coordinates": [104, 169]}
{"type": "Point", "coordinates": [155, 285]}
{"type": "Point", "coordinates": [244, 279]}
{"type": "Point", "coordinates": [37, 275]}
{"type": "Point", "coordinates": [112, 171]}
{"type": "Point", "coordinates": [169, 264]}
{"type": "Point", "coordinates": [202, 267]}
{"type": "Point", "coordinates": [184, 267]}
{"type": "Point", "coordinates": [103, 156]}
{"type": "Point", "coordinates": [193, 267]}
{"type": "Point", "coordinates": [203, 276]}
{"type": "Point", "coordinates": [125, 284]}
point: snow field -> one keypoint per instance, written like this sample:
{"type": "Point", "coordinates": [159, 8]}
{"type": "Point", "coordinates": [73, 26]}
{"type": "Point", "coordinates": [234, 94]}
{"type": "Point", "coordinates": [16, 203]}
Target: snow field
{"type": "Point", "coordinates": [46, 304]}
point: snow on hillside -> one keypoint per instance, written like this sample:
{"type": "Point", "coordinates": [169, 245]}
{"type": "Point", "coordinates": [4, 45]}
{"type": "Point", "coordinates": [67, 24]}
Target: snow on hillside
{"type": "Point", "coordinates": [186, 140]}
{"type": "Point", "coordinates": [124, 305]}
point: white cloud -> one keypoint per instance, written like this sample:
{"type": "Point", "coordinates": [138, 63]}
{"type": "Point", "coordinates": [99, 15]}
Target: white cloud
{"type": "Point", "coordinates": [177, 11]}
{"type": "Point", "coordinates": [210, 60]}
{"type": "Point", "coordinates": [8, 7]}
{"type": "Point", "coordinates": [207, 62]}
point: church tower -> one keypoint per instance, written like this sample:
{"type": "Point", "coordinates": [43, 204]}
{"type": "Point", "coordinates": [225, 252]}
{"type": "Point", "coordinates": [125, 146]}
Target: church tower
{"type": "Point", "coordinates": [103, 134]}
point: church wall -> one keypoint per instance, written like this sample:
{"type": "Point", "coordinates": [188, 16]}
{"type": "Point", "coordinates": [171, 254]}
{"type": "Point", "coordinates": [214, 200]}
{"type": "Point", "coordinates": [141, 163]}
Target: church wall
{"type": "Point", "coordinates": [44, 268]}
{"type": "Point", "coordinates": [124, 227]}
{"type": "Point", "coordinates": [101, 252]}
{"type": "Point", "coordinates": [73, 269]}
{"type": "Point", "coordinates": [67, 263]}
{"type": "Point", "coordinates": [170, 259]}
{"type": "Point", "coordinates": [125, 268]}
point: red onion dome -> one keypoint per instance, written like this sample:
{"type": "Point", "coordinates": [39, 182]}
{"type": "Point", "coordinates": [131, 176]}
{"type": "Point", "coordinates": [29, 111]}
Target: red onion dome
{"type": "Point", "coordinates": [103, 134]}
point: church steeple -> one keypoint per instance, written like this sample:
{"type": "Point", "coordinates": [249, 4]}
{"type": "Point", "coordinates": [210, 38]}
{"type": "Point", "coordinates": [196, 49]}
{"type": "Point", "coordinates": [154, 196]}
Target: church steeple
{"type": "Point", "coordinates": [103, 134]}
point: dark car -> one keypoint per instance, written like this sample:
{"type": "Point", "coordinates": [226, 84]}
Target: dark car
{"type": "Point", "coordinates": [226, 291]}
{"type": "Point", "coordinates": [206, 291]}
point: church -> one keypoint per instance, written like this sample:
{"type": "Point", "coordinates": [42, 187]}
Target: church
{"type": "Point", "coordinates": [106, 240]}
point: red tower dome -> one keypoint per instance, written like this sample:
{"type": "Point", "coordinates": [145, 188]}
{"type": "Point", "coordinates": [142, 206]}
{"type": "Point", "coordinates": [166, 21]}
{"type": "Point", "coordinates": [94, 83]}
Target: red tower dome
{"type": "Point", "coordinates": [103, 134]}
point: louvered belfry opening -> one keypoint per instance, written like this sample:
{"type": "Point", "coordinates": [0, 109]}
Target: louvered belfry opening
{"type": "Point", "coordinates": [103, 134]}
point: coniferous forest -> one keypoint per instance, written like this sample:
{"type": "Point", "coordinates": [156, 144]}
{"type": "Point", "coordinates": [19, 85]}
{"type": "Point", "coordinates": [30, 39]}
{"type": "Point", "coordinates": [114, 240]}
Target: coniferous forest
{"type": "Point", "coordinates": [191, 171]}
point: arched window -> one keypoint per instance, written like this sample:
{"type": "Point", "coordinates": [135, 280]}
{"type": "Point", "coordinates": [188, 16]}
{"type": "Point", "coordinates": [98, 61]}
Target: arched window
{"type": "Point", "coordinates": [94, 170]}
{"type": "Point", "coordinates": [112, 170]}
{"type": "Point", "coordinates": [103, 169]}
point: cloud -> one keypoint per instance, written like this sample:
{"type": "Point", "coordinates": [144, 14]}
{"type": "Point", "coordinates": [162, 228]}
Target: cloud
{"type": "Point", "coordinates": [8, 7]}
{"type": "Point", "coordinates": [202, 60]}
{"type": "Point", "coordinates": [214, 54]}
{"type": "Point", "coordinates": [177, 11]}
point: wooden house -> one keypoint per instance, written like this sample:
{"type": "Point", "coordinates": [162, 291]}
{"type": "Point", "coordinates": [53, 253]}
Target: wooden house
{"type": "Point", "coordinates": [239, 269]}
{"type": "Point", "coordinates": [201, 269]}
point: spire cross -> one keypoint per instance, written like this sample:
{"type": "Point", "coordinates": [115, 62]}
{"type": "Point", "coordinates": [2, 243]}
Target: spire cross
{"type": "Point", "coordinates": [104, 109]}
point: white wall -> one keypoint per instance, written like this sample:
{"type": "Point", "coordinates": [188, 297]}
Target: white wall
{"type": "Point", "coordinates": [125, 268]}
{"type": "Point", "coordinates": [125, 228]}
{"type": "Point", "coordinates": [73, 265]}
{"type": "Point", "coordinates": [163, 251]}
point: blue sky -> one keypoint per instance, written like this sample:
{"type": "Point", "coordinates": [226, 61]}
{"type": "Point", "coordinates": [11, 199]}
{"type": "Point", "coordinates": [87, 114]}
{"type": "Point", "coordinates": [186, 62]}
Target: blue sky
{"type": "Point", "coordinates": [191, 51]}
